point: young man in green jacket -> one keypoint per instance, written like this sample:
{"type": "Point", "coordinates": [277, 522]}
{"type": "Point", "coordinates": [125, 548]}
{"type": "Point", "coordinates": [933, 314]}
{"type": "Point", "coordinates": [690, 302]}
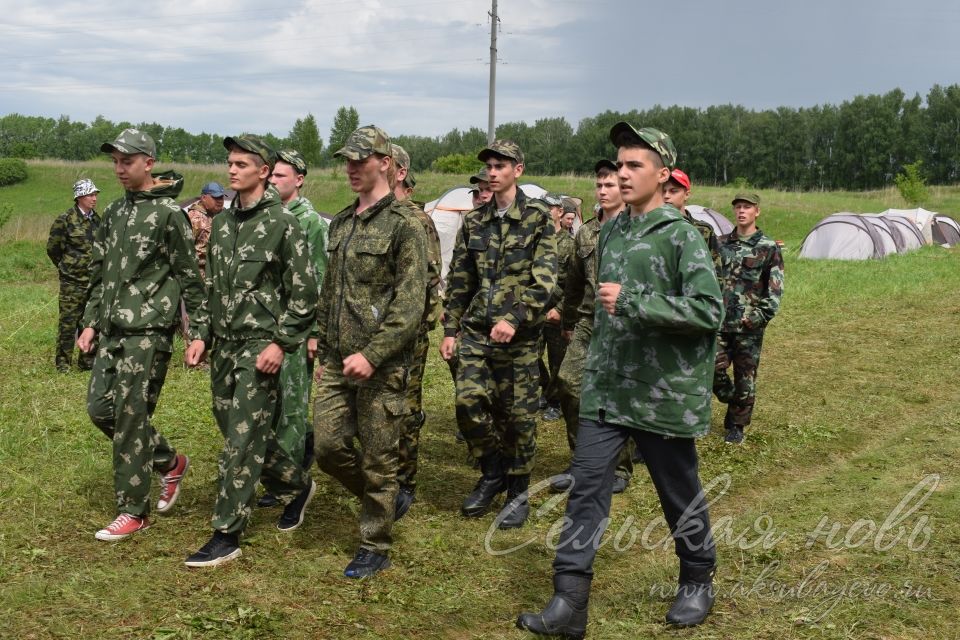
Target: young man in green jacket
{"type": "Point", "coordinates": [647, 377]}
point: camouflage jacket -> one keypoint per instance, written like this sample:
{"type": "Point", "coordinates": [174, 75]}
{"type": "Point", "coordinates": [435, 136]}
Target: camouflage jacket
{"type": "Point", "coordinates": [751, 276]}
{"type": "Point", "coordinates": [713, 244]}
{"type": "Point", "coordinates": [143, 264]}
{"type": "Point", "coordinates": [315, 229]}
{"type": "Point", "coordinates": [70, 245]}
{"type": "Point", "coordinates": [201, 222]}
{"type": "Point", "coordinates": [650, 366]}
{"type": "Point", "coordinates": [373, 289]}
{"type": "Point", "coordinates": [565, 249]}
{"type": "Point", "coordinates": [502, 269]}
{"type": "Point", "coordinates": [581, 283]}
{"type": "Point", "coordinates": [433, 303]}
{"type": "Point", "coordinates": [261, 281]}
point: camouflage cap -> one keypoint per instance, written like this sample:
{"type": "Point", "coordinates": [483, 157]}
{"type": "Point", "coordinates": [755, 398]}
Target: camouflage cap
{"type": "Point", "coordinates": [84, 187]}
{"type": "Point", "coordinates": [603, 163]}
{"type": "Point", "coordinates": [409, 181]}
{"type": "Point", "coordinates": [294, 159]}
{"type": "Point", "coordinates": [400, 156]}
{"type": "Point", "coordinates": [552, 199]}
{"type": "Point", "coordinates": [480, 176]}
{"type": "Point", "coordinates": [569, 205]}
{"type": "Point", "coordinates": [745, 196]}
{"type": "Point", "coordinates": [131, 141]}
{"type": "Point", "coordinates": [503, 148]}
{"type": "Point", "coordinates": [625, 133]}
{"type": "Point", "coordinates": [253, 144]}
{"type": "Point", "coordinates": [364, 142]}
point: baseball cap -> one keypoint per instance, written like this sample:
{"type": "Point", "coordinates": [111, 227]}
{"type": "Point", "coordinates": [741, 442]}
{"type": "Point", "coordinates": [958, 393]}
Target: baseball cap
{"type": "Point", "coordinates": [364, 142]}
{"type": "Point", "coordinates": [253, 144]}
{"type": "Point", "coordinates": [294, 159]}
{"type": "Point", "coordinates": [624, 132]}
{"type": "Point", "coordinates": [400, 156]}
{"type": "Point", "coordinates": [504, 148]}
{"type": "Point", "coordinates": [213, 189]}
{"type": "Point", "coordinates": [569, 204]}
{"type": "Point", "coordinates": [603, 163]}
{"type": "Point", "coordinates": [752, 198]}
{"type": "Point", "coordinates": [480, 176]}
{"type": "Point", "coordinates": [680, 178]}
{"type": "Point", "coordinates": [84, 187]}
{"type": "Point", "coordinates": [131, 141]}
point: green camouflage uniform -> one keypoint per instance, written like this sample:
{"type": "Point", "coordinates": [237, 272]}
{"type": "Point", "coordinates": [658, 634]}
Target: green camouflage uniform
{"type": "Point", "coordinates": [373, 303]}
{"type": "Point", "coordinates": [262, 290]}
{"type": "Point", "coordinates": [410, 434]}
{"type": "Point", "coordinates": [143, 264]}
{"type": "Point", "coordinates": [296, 374]}
{"type": "Point", "coordinates": [553, 342]}
{"type": "Point", "coordinates": [69, 247]}
{"type": "Point", "coordinates": [751, 277]}
{"type": "Point", "coordinates": [713, 244]}
{"type": "Point", "coordinates": [502, 269]}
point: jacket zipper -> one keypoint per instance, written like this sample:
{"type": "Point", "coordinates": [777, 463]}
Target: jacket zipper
{"type": "Point", "coordinates": [343, 278]}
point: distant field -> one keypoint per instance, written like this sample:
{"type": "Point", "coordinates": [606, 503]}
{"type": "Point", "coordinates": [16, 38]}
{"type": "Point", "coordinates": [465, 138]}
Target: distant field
{"type": "Point", "coordinates": [837, 519]}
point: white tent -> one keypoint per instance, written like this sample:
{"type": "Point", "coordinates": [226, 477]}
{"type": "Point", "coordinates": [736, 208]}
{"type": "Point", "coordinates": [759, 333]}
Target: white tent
{"type": "Point", "coordinates": [914, 236]}
{"type": "Point", "coordinates": [920, 218]}
{"type": "Point", "coordinates": [890, 232]}
{"type": "Point", "coordinates": [945, 230]}
{"type": "Point", "coordinates": [721, 226]}
{"type": "Point", "coordinates": [844, 236]}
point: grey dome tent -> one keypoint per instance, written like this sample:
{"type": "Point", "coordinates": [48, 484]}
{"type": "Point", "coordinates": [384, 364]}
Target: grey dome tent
{"type": "Point", "coordinates": [721, 226]}
{"type": "Point", "coordinates": [890, 233]}
{"type": "Point", "coordinates": [945, 230]}
{"type": "Point", "coordinates": [844, 236]}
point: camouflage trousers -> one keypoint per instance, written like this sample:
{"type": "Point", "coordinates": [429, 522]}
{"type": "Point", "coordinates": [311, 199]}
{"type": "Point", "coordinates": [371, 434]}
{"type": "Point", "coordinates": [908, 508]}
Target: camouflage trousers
{"type": "Point", "coordinates": [569, 381]}
{"type": "Point", "coordinates": [125, 384]}
{"type": "Point", "coordinates": [413, 422]}
{"type": "Point", "coordinates": [247, 406]}
{"type": "Point", "coordinates": [371, 412]}
{"type": "Point", "coordinates": [296, 383]}
{"type": "Point", "coordinates": [497, 393]}
{"type": "Point", "coordinates": [73, 299]}
{"type": "Point", "coordinates": [555, 347]}
{"type": "Point", "coordinates": [742, 350]}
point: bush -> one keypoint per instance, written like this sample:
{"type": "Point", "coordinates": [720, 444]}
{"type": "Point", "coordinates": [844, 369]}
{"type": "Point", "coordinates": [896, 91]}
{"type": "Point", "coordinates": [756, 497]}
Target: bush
{"type": "Point", "coordinates": [456, 163]}
{"type": "Point", "coordinates": [911, 184]}
{"type": "Point", "coordinates": [12, 171]}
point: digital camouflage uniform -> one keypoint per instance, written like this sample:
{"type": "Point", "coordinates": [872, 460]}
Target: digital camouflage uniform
{"type": "Point", "coordinates": [502, 269]}
{"type": "Point", "coordinates": [262, 290]}
{"type": "Point", "coordinates": [410, 434]}
{"type": "Point", "coordinates": [751, 277]}
{"type": "Point", "coordinates": [201, 222]}
{"type": "Point", "coordinates": [69, 247]}
{"type": "Point", "coordinates": [553, 342]}
{"type": "Point", "coordinates": [372, 304]}
{"type": "Point", "coordinates": [296, 373]}
{"type": "Point", "coordinates": [143, 264]}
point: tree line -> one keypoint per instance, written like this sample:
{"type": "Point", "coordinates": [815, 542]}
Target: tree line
{"type": "Point", "coordinates": [862, 143]}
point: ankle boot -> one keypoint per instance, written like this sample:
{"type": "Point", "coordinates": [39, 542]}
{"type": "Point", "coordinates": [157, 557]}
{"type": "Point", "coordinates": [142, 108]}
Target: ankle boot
{"type": "Point", "coordinates": [491, 483]}
{"type": "Point", "coordinates": [695, 596]}
{"type": "Point", "coordinates": [566, 613]}
{"type": "Point", "coordinates": [517, 508]}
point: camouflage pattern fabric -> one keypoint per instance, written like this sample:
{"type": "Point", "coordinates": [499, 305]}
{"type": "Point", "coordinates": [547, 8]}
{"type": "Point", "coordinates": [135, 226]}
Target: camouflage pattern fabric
{"type": "Point", "coordinates": [751, 277]}
{"type": "Point", "coordinates": [315, 229]}
{"type": "Point", "coordinates": [128, 374]}
{"type": "Point", "coordinates": [553, 343]}
{"type": "Point", "coordinates": [650, 366]}
{"type": "Point", "coordinates": [713, 243]}
{"type": "Point", "coordinates": [246, 405]}
{"type": "Point", "coordinates": [72, 299]}
{"type": "Point", "coordinates": [255, 145]}
{"type": "Point", "coordinates": [131, 141]}
{"type": "Point", "coordinates": [364, 142]}
{"type": "Point", "coordinates": [371, 413]}
{"type": "Point", "coordinates": [503, 148]}
{"type": "Point", "coordinates": [201, 222]}
{"type": "Point", "coordinates": [742, 351]}
{"type": "Point", "coordinates": [581, 278]}
{"type": "Point", "coordinates": [624, 133]}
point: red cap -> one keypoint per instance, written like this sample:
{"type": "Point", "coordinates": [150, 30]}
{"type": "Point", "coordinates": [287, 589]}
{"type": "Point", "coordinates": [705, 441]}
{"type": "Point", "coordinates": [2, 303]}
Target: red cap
{"type": "Point", "coordinates": [680, 178]}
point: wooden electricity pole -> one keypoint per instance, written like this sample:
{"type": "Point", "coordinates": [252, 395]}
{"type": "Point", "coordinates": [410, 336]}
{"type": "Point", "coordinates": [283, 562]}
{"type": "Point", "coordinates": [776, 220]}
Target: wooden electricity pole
{"type": "Point", "coordinates": [494, 23]}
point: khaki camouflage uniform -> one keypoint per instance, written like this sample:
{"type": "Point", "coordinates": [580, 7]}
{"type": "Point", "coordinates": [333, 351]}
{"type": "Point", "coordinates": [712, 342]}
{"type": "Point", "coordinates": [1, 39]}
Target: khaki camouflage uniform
{"type": "Point", "coordinates": [553, 342]}
{"type": "Point", "coordinates": [143, 263]}
{"type": "Point", "coordinates": [262, 290]}
{"type": "Point", "coordinates": [69, 247]}
{"type": "Point", "coordinates": [372, 304]}
{"type": "Point", "coordinates": [502, 269]}
{"type": "Point", "coordinates": [201, 222]}
{"type": "Point", "coordinates": [751, 277]}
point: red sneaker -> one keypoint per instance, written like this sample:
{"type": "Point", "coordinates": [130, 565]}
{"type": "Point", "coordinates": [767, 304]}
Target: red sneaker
{"type": "Point", "coordinates": [124, 526]}
{"type": "Point", "coordinates": [170, 484]}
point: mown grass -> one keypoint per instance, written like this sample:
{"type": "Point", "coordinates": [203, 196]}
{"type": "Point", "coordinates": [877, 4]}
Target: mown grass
{"type": "Point", "coordinates": [857, 405]}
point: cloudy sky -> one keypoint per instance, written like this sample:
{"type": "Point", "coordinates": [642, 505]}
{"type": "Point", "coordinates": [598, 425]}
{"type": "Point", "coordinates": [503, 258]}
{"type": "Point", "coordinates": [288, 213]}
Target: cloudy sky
{"type": "Point", "coordinates": [421, 66]}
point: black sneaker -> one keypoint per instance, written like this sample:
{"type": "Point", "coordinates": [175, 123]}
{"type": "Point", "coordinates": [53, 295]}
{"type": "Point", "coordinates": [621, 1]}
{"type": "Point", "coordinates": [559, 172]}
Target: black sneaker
{"type": "Point", "coordinates": [267, 500]}
{"type": "Point", "coordinates": [222, 547]}
{"type": "Point", "coordinates": [620, 484]}
{"type": "Point", "coordinates": [293, 513]}
{"type": "Point", "coordinates": [734, 435]}
{"type": "Point", "coordinates": [366, 563]}
{"type": "Point", "coordinates": [406, 496]}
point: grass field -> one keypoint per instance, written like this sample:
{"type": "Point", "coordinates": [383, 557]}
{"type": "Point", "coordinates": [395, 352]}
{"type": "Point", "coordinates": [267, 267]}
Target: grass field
{"type": "Point", "coordinates": [838, 518]}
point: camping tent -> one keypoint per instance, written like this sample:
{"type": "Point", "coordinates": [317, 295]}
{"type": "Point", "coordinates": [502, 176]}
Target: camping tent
{"type": "Point", "coordinates": [891, 233]}
{"type": "Point", "coordinates": [920, 218]}
{"type": "Point", "coordinates": [721, 226]}
{"type": "Point", "coordinates": [945, 230]}
{"type": "Point", "coordinates": [913, 235]}
{"type": "Point", "coordinates": [844, 236]}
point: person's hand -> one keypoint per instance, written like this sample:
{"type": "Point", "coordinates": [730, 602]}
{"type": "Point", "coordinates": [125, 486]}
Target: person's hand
{"type": "Point", "coordinates": [502, 332]}
{"type": "Point", "coordinates": [447, 347]}
{"type": "Point", "coordinates": [195, 353]}
{"type": "Point", "coordinates": [608, 294]}
{"type": "Point", "coordinates": [567, 335]}
{"type": "Point", "coordinates": [270, 359]}
{"type": "Point", "coordinates": [86, 339]}
{"type": "Point", "coordinates": [357, 367]}
{"type": "Point", "coordinates": [553, 316]}
{"type": "Point", "coordinates": [311, 348]}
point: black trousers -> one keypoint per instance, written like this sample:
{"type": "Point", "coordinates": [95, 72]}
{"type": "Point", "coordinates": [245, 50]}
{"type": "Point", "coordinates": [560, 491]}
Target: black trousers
{"type": "Point", "coordinates": [673, 467]}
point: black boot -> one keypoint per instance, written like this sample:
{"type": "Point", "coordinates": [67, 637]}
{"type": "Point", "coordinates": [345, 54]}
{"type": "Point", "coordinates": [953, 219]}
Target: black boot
{"type": "Point", "coordinates": [566, 613]}
{"type": "Point", "coordinates": [517, 508]}
{"type": "Point", "coordinates": [492, 482]}
{"type": "Point", "coordinates": [695, 595]}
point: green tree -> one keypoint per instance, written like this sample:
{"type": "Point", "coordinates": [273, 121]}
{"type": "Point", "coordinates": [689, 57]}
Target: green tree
{"type": "Point", "coordinates": [305, 138]}
{"type": "Point", "coordinates": [911, 184]}
{"type": "Point", "coordinates": [463, 163]}
{"type": "Point", "coordinates": [345, 122]}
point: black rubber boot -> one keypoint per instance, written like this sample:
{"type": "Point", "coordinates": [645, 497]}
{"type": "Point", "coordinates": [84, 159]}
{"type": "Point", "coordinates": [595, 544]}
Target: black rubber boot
{"type": "Point", "coordinates": [492, 482]}
{"type": "Point", "coordinates": [561, 482]}
{"type": "Point", "coordinates": [695, 596]}
{"type": "Point", "coordinates": [517, 508]}
{"type": "Point", "coordinates": [566, 613]}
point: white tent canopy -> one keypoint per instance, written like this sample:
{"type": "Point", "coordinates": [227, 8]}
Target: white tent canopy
{"type": "Point", "coordinates": [721, 226]}
{"type": "Point", "coordinates": [844, 236]}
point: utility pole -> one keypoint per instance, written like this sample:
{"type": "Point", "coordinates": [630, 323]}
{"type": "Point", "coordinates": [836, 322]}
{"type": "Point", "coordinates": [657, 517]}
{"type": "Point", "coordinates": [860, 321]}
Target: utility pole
{"type": "Point", "coordinates": [494, 23]}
